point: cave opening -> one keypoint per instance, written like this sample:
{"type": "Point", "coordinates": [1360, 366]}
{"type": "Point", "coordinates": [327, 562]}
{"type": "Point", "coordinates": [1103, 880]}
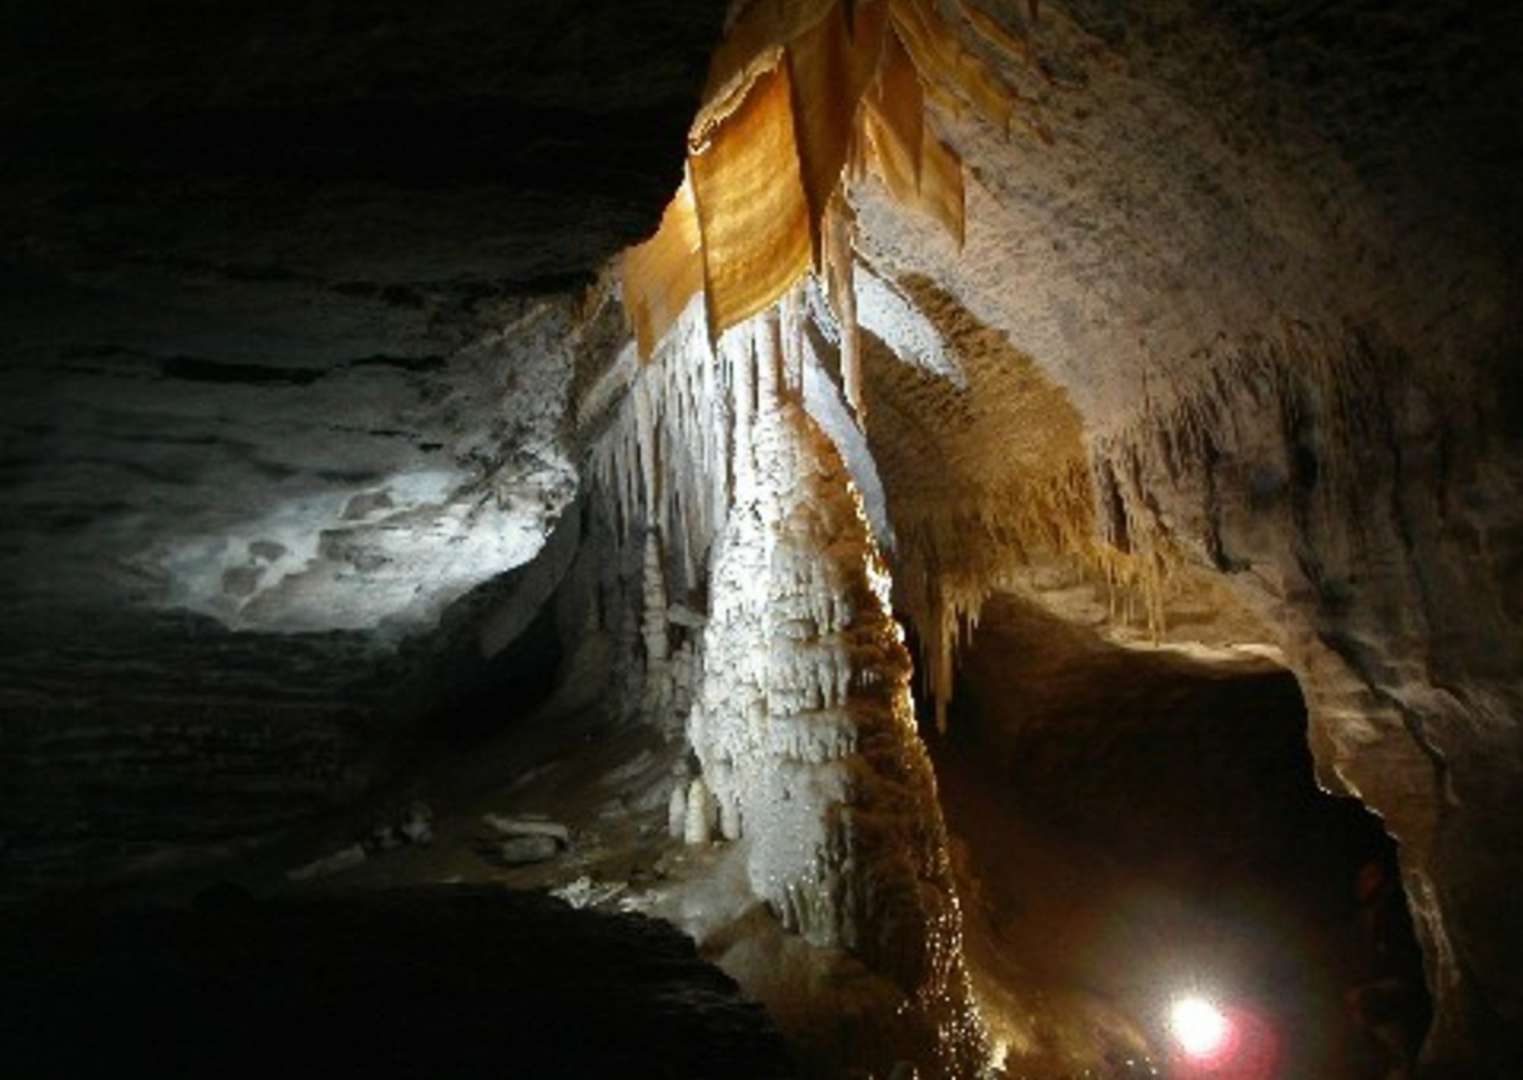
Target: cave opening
{"type": "Point", "coordinates": [1134, 829]}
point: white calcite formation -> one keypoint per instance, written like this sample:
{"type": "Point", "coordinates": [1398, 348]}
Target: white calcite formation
{"type": "Point", "coordinates": [676, 811]}
{"type": "Point", "coordinates": [1207, 392]}
{"type": "Point", "coordinates": [699, 814]}
{"type": "Point", "coordinates": [802, 719]}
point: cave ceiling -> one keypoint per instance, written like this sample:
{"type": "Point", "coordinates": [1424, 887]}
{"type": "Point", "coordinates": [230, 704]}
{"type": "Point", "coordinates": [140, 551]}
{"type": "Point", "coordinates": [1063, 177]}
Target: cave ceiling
{"type": "Point", "coordinates": [262, 265]}
{"type": "Point", "coordinates": [248, 253]}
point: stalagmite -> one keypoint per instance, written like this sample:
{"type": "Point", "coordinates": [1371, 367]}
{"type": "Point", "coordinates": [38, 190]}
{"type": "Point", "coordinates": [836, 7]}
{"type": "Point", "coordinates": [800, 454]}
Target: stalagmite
{"type": "Point", "coordinates": [804, 670]}
{"type": "Point", "coordinates": [698, 826]}
{"type": "Point", "coordinates": [676, 811]}
{"type": "Point", "coordinates": [729, 819]}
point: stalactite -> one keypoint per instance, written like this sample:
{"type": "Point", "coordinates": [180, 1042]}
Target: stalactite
{"type": "Point", "coordinates": [645, 430]}
{"type": "Point", "coordinates": [942, 61]}
{"type": "Point", "coordinates": [791, 316]}
{"type": "Point", "coordinates": [831, 65]}
{"type": "Point", "coordinates": [742, 364]}
{"type": "Point", "coordinates": [751, 205]}
{"type": "Point", "coordinates": [662, 275]}
{"type": "Point", "coordinates": [653, 626]}
{"type": "Point", "coordinates": [840, 281]}
{"type": "Point", "coordinates": [767, 342]}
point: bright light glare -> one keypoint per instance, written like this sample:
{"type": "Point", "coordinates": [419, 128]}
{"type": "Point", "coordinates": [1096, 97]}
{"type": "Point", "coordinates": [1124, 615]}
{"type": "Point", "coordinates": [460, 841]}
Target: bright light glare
{"type": "Point", "coordinates": [1199, 1026]}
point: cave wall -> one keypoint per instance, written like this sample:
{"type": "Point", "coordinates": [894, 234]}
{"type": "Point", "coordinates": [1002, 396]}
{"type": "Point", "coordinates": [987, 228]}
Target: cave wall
{"type": "Point", "coordinates": [120, 760]}
{"type": "Point", "coordinates": [1269, 258]}
{"type": "Point", "coordinates": [1375, 522]}
{"type": "Point", "coordinates": [289, 297]}
{"type": "Point", "coordinates": [1133, 824]}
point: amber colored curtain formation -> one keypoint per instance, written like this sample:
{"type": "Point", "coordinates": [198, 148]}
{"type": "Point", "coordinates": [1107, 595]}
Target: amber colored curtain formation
{"type": "Point", "coordinates": [800, 94]}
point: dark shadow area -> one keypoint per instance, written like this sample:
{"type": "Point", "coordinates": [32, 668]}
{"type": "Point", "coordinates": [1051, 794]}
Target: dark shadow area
{"type": "Point", "coordinates": [477, 697]}
{"type": "Point", "coordinates": [446, 982]}
{"type": "Point", "coordinates": [1132, 827]}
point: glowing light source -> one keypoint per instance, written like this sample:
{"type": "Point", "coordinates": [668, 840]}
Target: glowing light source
{"type": "Point", "coordinates": [1200, 1027]}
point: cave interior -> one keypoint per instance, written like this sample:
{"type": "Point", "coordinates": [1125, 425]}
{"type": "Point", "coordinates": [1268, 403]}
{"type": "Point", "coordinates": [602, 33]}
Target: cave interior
{"type": "Point", "coordinates": [778, 538]}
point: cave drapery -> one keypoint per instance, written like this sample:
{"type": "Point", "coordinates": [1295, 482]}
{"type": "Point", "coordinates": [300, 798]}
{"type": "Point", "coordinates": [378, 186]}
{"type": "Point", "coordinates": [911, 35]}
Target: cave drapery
{"type": "Point", "coordinates": [816, 101]}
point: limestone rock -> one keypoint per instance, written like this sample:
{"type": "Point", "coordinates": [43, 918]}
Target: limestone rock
{"type": "Point", "coordinates": [523, 850]}
{"type": "Point", "coordinates": [729, 819]}
{"type": "Point", "coordinates": [341, 860]}
{"type": "Point", "coordinates": [512, 827]}
{"type": "Point", "coordinates": [418, 824]}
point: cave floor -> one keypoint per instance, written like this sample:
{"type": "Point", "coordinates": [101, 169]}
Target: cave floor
{"type": "Point", "coordinates": [423, 959]}
{"type": "Point", "coordinates": [1074, 943]}
{"type": "Point", "coordinates": [1133, 826]}
{"type": "Point", "coordinates": [458, 981]}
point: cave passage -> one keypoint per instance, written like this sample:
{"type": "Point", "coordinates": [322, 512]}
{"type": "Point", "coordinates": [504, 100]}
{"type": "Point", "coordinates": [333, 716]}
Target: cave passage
{"type": "Point", "coordinates": [1134, 827]}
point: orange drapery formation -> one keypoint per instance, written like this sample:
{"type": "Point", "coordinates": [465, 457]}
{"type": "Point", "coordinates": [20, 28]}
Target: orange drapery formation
{"type": "Point", "coordinates": [751, 204]}
{"type": "Point", "coordinates": [830, 67]}
{"type": "Point", "coordinates": [799, 90]}
{"type": "Point", "coordinates": [663, 274]}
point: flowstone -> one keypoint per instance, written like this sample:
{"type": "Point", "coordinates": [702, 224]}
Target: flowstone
{"type": "Point", "coordinates": [804, 724]}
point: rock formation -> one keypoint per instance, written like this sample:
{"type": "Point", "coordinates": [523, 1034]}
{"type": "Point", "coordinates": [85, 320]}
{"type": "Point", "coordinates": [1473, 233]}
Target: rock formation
{"type": "Point", "coordinates": [675, 360]}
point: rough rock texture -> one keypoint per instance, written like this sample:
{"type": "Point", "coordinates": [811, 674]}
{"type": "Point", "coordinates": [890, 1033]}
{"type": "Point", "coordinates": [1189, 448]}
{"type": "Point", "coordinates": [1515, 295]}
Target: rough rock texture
{"type": "Point", "coordinates": [1130, 824]}
{"type": "Point", "coordinates": [804, 721]}
{"type": "Point", "coordinates": [287, 306]}
{"type": "Point", "coordinates": [1358, 510]}
{"type": "Point", "coordinates": [800, 715]}
{"type": "Point", "coordinates": [154, 733]}
{"type": "Point", "coordinates": [264, 356]}
{"type": "Point", "coordinates": [1271, 259]}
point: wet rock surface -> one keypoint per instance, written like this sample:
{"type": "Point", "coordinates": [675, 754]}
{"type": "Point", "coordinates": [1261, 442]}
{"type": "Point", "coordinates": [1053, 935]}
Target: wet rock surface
{"type": "Point", "coordinates": [443, 981]}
